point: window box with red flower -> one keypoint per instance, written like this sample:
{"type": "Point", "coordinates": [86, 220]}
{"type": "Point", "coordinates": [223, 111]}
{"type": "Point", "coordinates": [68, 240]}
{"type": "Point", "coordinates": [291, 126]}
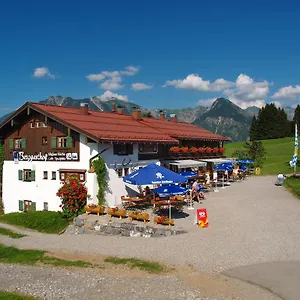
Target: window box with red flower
{"type": "Point", "coordinates": [208, 150]}
{"type": "Point", "coordinates": [201, 149]}
{"type": "Point", "coordinates": [216, 150]}
{"type": "Point", "coordinates": [163, 220]}
{"type": "Point", "coordinates": [194, 149]}
{"type": "Point", "coordinates": [221, 150]}
{"type": "Point", "coordinates": [174, 149]}
{"type": "Point", "coordinates": [184, 149]}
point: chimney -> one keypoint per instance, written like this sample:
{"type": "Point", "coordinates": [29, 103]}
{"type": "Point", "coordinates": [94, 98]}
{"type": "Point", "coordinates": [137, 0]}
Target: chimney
{"type": "Point", "coordinates": [113, 108]}
{"type": "Point", "coordinates": [136, 113]}
{"type": "Point", "coordinates": [173, 118]}
{"type": "Point", "coordinates": [162, 115]}
{"type": "Point", "coordinates": [120, 110]}
{"type": "Point", "coordinates": [84, 108]}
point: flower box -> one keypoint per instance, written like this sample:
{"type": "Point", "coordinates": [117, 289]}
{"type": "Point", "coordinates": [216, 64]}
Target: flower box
{"type": "Point", "coordinates": [175, 149]}
{"type": "Point", "coordinates": [216, 150]}
{"type": "Point", "coordinates": [117, 212]}
{"type": "Point", "coordinates": [184, 149]}
{"type": "Point", "coordinates": [201, 149]}
{"type": "Point", "coordinates": [208, 150]}
{"type": "Point", "coordinates": [163, 220]}
{"type": "Point", "coordinates": [194, 150]}
{"type": "Point", "coordinates": [139, 216]}
{"type": "Point", "coordinates": [95, 209]}
{"type": "Point", "coordinates": [221, 150]}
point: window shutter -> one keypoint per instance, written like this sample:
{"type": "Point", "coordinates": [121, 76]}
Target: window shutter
{"type": "Point", "coordinates": [11, 143]}
{"type": "Point", "coordinates": [53, 141]}
{"type": "Point", "coordinates": [32, 175]}
{"type": "Point", "coordinates": [21, 207]}
{"type": "Point", "coordinates": [20, 174]}
{"type": "Point", "coordinates": [33, 206]}
{"type": "Point", "coordinates": [69, 142]}
{"type": "Point", "coordinates": [23, 143]}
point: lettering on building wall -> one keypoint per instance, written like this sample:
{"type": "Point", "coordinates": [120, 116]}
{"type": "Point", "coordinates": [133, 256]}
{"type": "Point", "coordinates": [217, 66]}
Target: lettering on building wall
{"type": "Point", "coordinates": [49, 156]}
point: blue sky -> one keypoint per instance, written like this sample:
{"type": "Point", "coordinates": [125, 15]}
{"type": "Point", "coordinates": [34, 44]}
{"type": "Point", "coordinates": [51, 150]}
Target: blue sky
{"type": "Point", "coordinates": [154, 53]}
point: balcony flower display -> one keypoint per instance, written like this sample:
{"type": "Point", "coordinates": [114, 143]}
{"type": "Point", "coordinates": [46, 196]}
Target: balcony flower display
{"type": "Point", "coordinates": [184, 149]}
{"type": "Point", "coordinates": [216, 150]}
{"type": "Point", "coordinates": [201, 149]}
{"type": "Point", "coordinates": [175, 149]}
{"type": "Point", "coordinates": [221, 150]}
{"type": "Point", "coordinates": [208, 149]}
{"type": "Point", "coordinates": [194, 149]}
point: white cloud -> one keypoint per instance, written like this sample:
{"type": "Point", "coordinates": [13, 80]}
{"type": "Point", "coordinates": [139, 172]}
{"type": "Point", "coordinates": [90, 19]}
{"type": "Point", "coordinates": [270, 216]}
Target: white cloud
{"type": "Point", "coordinates": [287, 92]}
{"type": "Point", "coordinates": [113, 83]}
{"type": "Point", "coordinates": [42, 72]}
{"type": "Point", "coordinates": [108, 95]}
{"type": "Point", "coordinates": [130, 70]}
{"type": "Point", "coordinates": [140, 86]}
{"type": "Point", "coordinates": [95, 77]}
{"type": "Point", "coordinates": [113, 79]}
{"type": "Point", "coordinates": [277, 103]}
{"type": "Point", "coordinates": [248, 92]}
{"type": "Point", "coordinates": [196, 83]}
{"type": "Point", "coordinates": [206, 102]}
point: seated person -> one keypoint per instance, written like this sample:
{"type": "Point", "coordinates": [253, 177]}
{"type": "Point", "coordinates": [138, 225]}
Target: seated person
{"type": "Point", "coordinates": [196, 190]}
{"type": "Point", "coordinates": [148, 193]}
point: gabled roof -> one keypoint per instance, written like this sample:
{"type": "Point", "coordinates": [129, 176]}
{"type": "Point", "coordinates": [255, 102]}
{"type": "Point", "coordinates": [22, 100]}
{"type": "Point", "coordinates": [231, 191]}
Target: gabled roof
{"type": "Point", "coordinates": [183, 130]}
{"type": "Point", "coordinates": [109, 126]}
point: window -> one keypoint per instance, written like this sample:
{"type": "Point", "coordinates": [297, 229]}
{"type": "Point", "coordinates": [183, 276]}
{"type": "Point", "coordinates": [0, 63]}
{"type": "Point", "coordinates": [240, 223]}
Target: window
{"type": "Point", "coordinates": [44, 140]}
{"type": "Point", "coordinates": [62, 176]}
{"type": "Point", "coordinates": [147, 148]}
{"type": "Point", "coordinates": [46, 206]}
{"type": "Point", "coordinates": [65, 174]}
{"type": "Point", "coordinates": [45, 175]}
{"type": "Point", "coordinates": [26, 175]}
{"type": "Point", "coordinates": [120, 172]}
{"type": "Point", "coordinates": [32, 125]}
{"type": "Point", "coordinates": [61, 142]}
{"type": "Point", "coordinates": [53, 175]}
{"type": "Point", "coordinates": [18, 143]}
{"type": "Point", "coordinates": [81, 177]}
{"type": "Point", "coordinates": [45, 124]}
{"type": "Point", "coordinates": [123, 149]}
{"type": "Point", "coordinates": [126, 171]}
{"type": "Point", "coordinates": [39, 124]}
{"type": "Point", "coordinates": [27, 205]}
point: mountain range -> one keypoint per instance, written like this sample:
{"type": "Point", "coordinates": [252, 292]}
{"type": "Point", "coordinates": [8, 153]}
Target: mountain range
{"type": "Point", "coordinates": [222, 117]}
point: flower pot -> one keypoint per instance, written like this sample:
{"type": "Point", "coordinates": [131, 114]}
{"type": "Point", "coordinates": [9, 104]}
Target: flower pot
{"type": "Point", "coordinates": [163, 221]}
{"type": "Point", "coordinates": [121, 213]}
{"type": "Point", "coordinates": [139, 216]}
{"type": "Point", "coordinates": [99, 210]}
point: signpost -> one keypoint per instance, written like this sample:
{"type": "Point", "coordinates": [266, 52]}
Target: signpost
{"type": "Point", "coordinates": [202, 218]}
{"type": "Point", "coordinates": [49, 156]}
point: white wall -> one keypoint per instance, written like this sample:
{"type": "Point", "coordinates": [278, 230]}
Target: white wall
{"type": "Point", "coordinates": [44, 190]}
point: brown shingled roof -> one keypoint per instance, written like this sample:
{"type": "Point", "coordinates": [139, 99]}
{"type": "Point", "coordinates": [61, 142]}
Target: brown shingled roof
{"type": "Point", "coordinates": [183, 130]}
{"type": "Point", "coordinates": [106, 126]}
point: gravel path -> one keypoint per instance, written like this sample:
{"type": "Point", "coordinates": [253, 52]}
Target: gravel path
{"type": "Point", "coordinates": [250, 222]}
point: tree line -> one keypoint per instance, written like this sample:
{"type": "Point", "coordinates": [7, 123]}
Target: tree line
{"type": "Point", "coordinates": [272, 123]}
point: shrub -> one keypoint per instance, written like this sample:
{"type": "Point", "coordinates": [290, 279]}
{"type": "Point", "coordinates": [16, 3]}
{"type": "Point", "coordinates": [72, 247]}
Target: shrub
{"type": "Point", "coordinates": [73, 196]}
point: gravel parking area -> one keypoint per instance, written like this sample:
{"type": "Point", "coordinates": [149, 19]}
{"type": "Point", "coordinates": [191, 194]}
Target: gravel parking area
{"type": "Point", "coordinates": [252, 221]}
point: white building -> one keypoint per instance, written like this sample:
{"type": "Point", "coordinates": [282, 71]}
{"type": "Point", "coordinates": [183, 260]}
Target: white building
{"type": "Point", "coordinates": [44, 144]}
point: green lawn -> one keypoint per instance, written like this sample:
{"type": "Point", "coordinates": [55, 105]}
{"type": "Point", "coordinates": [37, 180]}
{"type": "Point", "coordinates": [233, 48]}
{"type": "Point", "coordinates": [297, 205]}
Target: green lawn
{"type": "Point", "coordinates": [43, 221]}
{"type": "Point", "coordinates": [279, 153]}
{"type": "Point", "coordinates": [14, 296]}
{"type": "Point", "coordinates": [11, 234]}
{"type": "Point", "coordinates": [293, 184]}
{"type": "Point", "coordinates": [13, 255]}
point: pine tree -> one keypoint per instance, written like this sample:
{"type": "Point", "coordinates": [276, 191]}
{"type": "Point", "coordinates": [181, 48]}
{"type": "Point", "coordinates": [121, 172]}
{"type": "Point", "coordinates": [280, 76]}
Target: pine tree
{"type": "Point", "coordinates": [253, 134]}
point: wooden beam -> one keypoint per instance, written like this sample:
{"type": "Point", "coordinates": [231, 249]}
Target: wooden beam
{"type": "Point", "coordinates": [46, 119]}
{"type": "Point", "coordinates": [12, 122]}
{"type": "Point", "coordinates": [69, 131]}
{"type": "Point", "coordinates": [28, 111]}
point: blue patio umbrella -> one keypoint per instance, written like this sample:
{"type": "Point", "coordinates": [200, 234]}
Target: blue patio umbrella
{"type": "Point", "coordinates": [189, 174]}
{"type": "Point", "coordinates": [168, 190]}
{"type": "Point", "coordinates": [245, 161]}
{"type": "Point", "coordinates": [223, 167]}
{"type": "Point", "coordinates": [153, 174]}
{"type": "Point", "coordinates": [243, 167]}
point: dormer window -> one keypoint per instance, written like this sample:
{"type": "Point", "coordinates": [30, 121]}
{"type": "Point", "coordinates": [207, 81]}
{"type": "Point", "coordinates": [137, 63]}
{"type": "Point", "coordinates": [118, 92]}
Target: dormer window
{"type": "Point", "coordinates": [32, 125]}
{"type": "Point", "coordinates": [39, 124]}
{"type": "Point", "coordinates": [45, 124]}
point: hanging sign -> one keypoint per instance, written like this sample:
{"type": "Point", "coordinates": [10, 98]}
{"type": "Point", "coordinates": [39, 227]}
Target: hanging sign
{"type": "Point", "coordinates": [202, 218]}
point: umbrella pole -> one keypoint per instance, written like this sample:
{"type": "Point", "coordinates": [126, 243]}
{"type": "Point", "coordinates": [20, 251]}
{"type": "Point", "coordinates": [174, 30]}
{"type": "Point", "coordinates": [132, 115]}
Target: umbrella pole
{"type": "Point", "coordinates": [223, 181]}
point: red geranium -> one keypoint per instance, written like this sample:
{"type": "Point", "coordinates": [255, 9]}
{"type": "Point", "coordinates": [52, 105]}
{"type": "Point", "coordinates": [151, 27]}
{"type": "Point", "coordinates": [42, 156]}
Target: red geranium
{"type": "Point", "coordinates": [221, 150]}
{"type": "Point", "coordinates": [201, 149]}
{"type": "Point", "coordinates": [208, 150]}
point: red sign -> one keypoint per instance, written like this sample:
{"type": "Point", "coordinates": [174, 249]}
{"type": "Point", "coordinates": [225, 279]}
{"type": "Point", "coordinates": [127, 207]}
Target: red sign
{"type": "Point", "coordinates": [202, 218]}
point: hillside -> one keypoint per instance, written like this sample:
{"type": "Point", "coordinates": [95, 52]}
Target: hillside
{"type": "Point", "coordinates": [227, 119]}
{"type": "Point", "coordinates": [279, 153]}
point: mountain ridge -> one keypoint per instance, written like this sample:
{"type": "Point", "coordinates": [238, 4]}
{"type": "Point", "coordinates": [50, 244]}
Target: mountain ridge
{"type": "Point", "coordinates": [223, 117]}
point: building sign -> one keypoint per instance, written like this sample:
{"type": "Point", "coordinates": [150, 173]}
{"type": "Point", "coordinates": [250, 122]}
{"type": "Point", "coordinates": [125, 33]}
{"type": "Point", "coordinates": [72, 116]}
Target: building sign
{"type": "Point", "coordinates": [202, 218]}
{"type": "Point", "coordinates": [49, 156]}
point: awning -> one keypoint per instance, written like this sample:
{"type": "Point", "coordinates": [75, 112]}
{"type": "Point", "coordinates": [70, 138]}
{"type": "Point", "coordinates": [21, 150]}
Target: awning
{"type": "Point", "coordinates": [217, 161]}
{"type": "Point", "coordinates": [188, 163]}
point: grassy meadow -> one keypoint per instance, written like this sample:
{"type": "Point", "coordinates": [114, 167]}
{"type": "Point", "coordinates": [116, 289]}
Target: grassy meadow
{"type": "Point", "coordinates": [279, 153]}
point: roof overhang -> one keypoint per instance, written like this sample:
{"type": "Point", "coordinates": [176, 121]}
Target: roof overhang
{"type": "Point", "coordinates": [217, 161]}
{"type": "Point", "coordinates": [188, 163]}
